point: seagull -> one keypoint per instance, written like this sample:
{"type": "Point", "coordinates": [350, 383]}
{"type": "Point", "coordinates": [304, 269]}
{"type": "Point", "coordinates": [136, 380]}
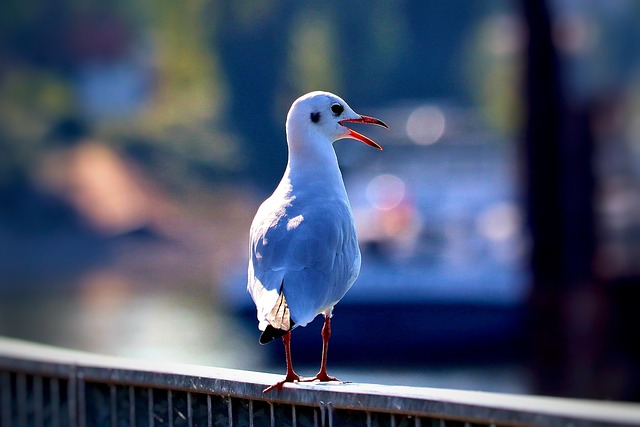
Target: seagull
{"type": "Point", "coordinates": [304, 253]}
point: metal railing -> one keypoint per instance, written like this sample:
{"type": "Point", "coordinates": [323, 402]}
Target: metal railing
{"type": "Point", "coordinates": [42, 386]}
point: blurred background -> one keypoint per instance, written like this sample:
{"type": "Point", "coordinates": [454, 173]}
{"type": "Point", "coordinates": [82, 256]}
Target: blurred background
{"type": "Point", "coordinates": [500, 227]}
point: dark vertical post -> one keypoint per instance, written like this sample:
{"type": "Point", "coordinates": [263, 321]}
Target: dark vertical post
{"type": "Point", "coordinates": [559, 190]}
{"type": "Point", "coordinates": [543, 196]}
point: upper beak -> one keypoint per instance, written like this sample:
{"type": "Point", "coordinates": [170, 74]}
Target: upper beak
{"type": "Point", "coordinates": [367, 120]}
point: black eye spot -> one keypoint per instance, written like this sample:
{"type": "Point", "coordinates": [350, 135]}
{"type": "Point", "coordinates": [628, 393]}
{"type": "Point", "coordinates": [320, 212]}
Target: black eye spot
{"type": "Point", "coordinates": [315, 116]}
{"type": "Point", "coordinates": [337, 109]}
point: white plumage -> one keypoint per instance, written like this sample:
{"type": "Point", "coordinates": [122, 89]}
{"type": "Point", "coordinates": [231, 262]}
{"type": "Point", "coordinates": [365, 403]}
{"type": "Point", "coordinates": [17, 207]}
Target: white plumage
{"type": "Point", "coordinates": [303, 242]}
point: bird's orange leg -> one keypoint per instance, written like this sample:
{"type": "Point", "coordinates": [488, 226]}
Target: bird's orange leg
{"type": "Point", "coordinates": [291, 375]}
{"type": "Point", "coordinates": [326, 334]}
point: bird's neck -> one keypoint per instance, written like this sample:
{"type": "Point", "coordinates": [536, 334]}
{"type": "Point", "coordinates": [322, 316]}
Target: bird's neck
{"type": "Point", "coordinates": [313, 165]}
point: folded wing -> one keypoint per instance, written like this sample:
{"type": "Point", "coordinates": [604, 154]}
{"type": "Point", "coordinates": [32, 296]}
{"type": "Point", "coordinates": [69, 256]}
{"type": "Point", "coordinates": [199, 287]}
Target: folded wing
{"type": "Point", "coordinates": [311, 256]}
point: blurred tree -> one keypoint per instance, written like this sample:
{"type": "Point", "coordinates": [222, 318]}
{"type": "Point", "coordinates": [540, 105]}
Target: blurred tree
{"type": "Point", "coordinates": [406, 50]}
{"type": "Point", "coordinates": [313, 55]}
{"type": "Point", "coordinates": [252, 38]}
{"type": "Point", "coordinates": [199, 82]}
{"type": "Point", "coordinates": [494, 68]}
{"type": "Point", "coordinates": [184, 118]}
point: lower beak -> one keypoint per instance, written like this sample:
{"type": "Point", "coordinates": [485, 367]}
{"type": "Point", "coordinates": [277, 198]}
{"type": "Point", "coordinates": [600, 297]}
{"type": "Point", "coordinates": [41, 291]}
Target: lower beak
{"type": "Point", "coordinates": [366, 120]}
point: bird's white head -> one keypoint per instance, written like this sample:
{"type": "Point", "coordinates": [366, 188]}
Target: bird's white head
{"type": "Point", "coordinates": [320, 118]}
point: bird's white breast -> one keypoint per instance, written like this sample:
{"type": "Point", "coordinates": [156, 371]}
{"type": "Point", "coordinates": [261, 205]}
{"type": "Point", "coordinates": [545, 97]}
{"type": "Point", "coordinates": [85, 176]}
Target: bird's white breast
{"type": "Point", "coordinates": [306, 242]}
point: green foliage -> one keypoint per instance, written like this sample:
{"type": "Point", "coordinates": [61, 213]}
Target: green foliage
{"type": "Point", "coordinates": [220, 76]}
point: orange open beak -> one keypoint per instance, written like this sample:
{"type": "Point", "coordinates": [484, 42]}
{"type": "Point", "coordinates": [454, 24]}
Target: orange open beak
{"type": "Point", "coordinates": [367, 120]}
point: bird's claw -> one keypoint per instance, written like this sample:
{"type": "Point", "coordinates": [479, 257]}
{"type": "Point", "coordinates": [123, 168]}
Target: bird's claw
{"type": "Point", "coordinates": [278, 386]}
{"type": "Point", "coordinates": [321, 377]}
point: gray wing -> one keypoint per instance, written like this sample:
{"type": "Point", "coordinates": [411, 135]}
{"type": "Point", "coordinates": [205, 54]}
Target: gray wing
{"type": "Point", "coordinates": [311, 254]}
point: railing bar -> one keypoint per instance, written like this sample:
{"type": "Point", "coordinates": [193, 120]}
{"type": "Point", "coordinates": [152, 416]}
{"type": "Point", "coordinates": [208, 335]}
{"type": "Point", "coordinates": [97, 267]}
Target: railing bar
{"type": "Point", "coordinates": [230, 411]}
{"type": "Point", "coordinates": [38, 401]}
{"type": "Point", "coordinates": [368, 419]}
{"type": "Point", "coordinates": [418, 422]}
{"type": "Point", "coordinates": [209, 412]}
{"type": "Point", "coordinates": [330, 414]}
{"type": "Point", "coordinates": [132, 406]}
{"type": "Point", "coordinates": [54, 387]}
{"type": "Point", "coordinates": [322, 413]}
{"type": "Point", "coordinates": [392, 420]}
{"type": "Point", "coordinates": [294, 419]}
{"type": "Point", "coordinates": [72, 399]}
{"type": "Point", "coordinates": [250, 413]}
{"type": "Point", "coordinates": [21, 399]}
{"type": "Point", "coordinates": [150, 411]}
{"type": "Point", "coordinates": [170, 408]}
{"type": "Point", "coordinates": [5, 396]}
{"type": "Point", "coordinates": [113, 395]}
{"type": "Point", "coordinates": [82, 410]}
{"type": "Point", "coordinates": [189, 410]}
{"type": "Point", "coordinates": [272, 415]}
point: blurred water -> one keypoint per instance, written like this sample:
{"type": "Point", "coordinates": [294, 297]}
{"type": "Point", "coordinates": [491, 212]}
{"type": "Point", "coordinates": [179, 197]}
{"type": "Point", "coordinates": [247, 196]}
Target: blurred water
{"type": "Point", "coordinates": [105, 313]}
{"type": "Point", "coordinates": [108, 316]}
